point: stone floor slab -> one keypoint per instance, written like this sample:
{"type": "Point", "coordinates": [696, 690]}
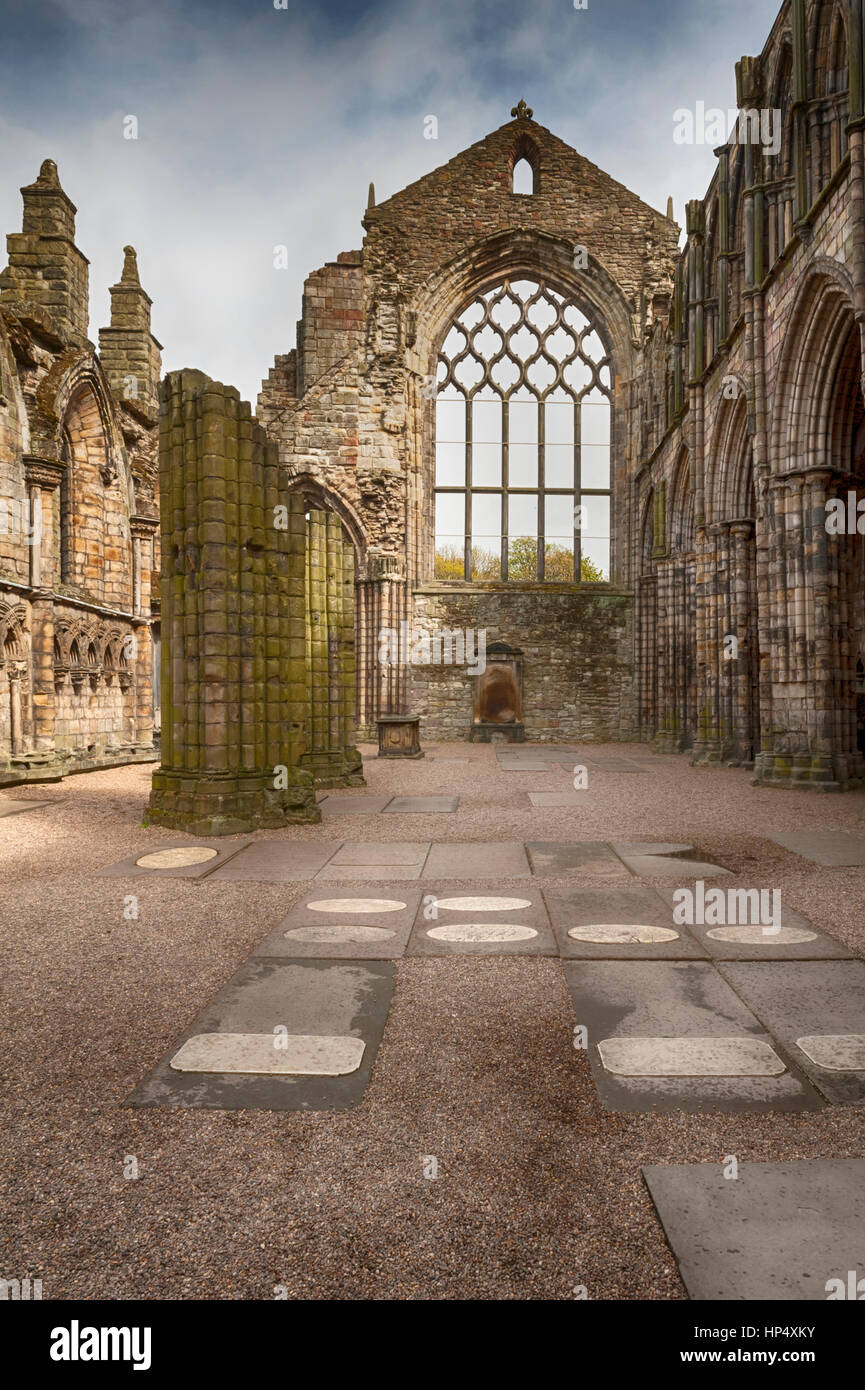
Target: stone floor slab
{"type": "Point", "coordinates": [835, 1052]}
{"type": "Point", "coordinates": [568, 858]}
{"type": "Point", "coordinates": [226, 850]}
{"type": "Point", "coordinates": [369, 873]}
{"type": "Point", "coordinates": [354, 805]}
{"type": "Point", "coordinates": [378, 934]}
{"type": "Point", "coordinates": [675, 999]}
{"type": "Point", "coordinates": [524, 767]}
{"type": "Point", "coordinates": [381, 853]}
{"type": "Point", "coordinates": [278, 861]}
{"type": "Point", "coordinates": [659, 866]}
{"type": "Point", "coordinates": [482, 860]}
{"type": "Point", "coordinates": [478, 922]}
{"type": "Point", "coordinates": [690, 1057]}
{"type": "Point", "coordinates": [778, 1231]}
{"type": "Point", "coordinates": [421, 805]}
{"type": "Point", "coordinates": [561, 799]}
{"type": "Point", "coordinates": [624, 904]}
{"type": "Point", "coordinates": [269, 1054]}
{"type": "Point", "coordinates": [797, 999]}
{"type": "Point", "coordinates": [313, 997]}
{"type": "Point", "coordinates": [829, 848]}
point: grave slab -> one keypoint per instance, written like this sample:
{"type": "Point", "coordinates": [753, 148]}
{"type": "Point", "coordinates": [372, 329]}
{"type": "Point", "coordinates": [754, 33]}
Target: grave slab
{"type": "Point", "coordinates": [316, 997]}
{"type": "Point", "coordinates": [675, 999]}
{"type": "Point", "coordinates": [659, 866]}
{"type": "Point", "coordinates": [834, 849]}
{"type": "Point", "coordinates": [561, 799]}
{"type": "Point", "coordinates": [690, 1057]}
{"type": "Point", "coordinates": [278, 861]}
{"type": "Point", "coordinates": [469, 861]}
{"type": "Point", "coordinates": [226, 849]}
{"type": "Point", "coordinates": [623, 904]}
{"type": "Point", "coordinates": [779, 1231]}
{"type": "Point", "coordinates": [524, 767]}
{"type": "Point", "coordinates": [421, 805]}
{"type": "Point", "coordinates": [800, 999]}
{"type": "Point", "coordinates": [269, 1054]}
{"type": "Point", "coordinates": [367, 873]}
{"type": "Point", "coordinates": [354, 805]}
{"type": "Point", "coordinates": [797, 940]}
{"type": "Point", "coordinates": [479, 922]}
{"type": "Point", "coordinates": [382, 853]}
{"type": "Point", "coordinates": [392, 911]}
{"type": "Point", "coordinates": [838, 1052]}
{"type": "Point", "coordinates": [566, 858]}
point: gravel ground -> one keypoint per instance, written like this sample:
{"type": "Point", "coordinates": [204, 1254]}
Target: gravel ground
{"type": "Point", "coordinates": [538, 1188]}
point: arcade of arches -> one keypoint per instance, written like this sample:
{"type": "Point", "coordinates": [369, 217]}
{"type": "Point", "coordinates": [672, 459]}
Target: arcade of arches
{"type": "Point", "coordinates": [521, 408]}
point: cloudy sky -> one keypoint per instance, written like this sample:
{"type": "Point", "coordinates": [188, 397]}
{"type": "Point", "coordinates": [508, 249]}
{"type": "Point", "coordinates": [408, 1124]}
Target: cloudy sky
{"type": "Point", "coordinates": [260, 127]}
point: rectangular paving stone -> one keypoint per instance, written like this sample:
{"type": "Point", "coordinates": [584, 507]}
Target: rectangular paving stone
{"type": "Point", "coordinates": [382, 852]}
{"type": "Point", "coordinates": [675, 999]}
{"type": "Point", "coordinates": [485, 907]}
{"type": "Point", "coordinates": [354, 805]}
{"type": "Point", "coordinates": [690, 1057]}
{"type": "Point", "coordinates": [831, 848]}
{"type": "Point", "coordinates": [626, 904]}
{"type": "Point", "coordinates": [561, 799]}
{"type": "Point", "coordinates": [269, 1054]}
{"type": "Point", "coordinates": [220, 852]}
{"type": "Point", "coordinates": [524, 767]}
{"type": "Point", "coordinates": [378, 934]}
{"type": "Point", "coordinates": [588, 858]}
{"type": "Point", "coordinates": [799, 999]}
{"type": "Point", "coordinates": [367, 873]}
{"type": "Point", "coordinates": [278, 861]}
{"type": "Point", "coordinates": [684, 871]}
{"type": "Point", "coordinates": [313, 997]}
{"type": "Point", "coordinates": [778, 1231]}
{"type": "Point", "coordinates": [483, 860]}
{"type": "Point", "coordinates": [421, 805]}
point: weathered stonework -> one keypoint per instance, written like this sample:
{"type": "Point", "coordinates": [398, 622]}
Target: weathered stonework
{"type": "Point", "coordinates": [78, 506]}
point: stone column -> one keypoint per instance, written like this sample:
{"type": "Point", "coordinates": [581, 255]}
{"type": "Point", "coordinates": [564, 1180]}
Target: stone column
{"type": "Point", "coordinates": [43, 478]}
{"type": "Point", "coordinates": [222, 642]}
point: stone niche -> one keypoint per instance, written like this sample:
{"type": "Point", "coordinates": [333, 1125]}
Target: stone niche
{"type": "Point", "coordinates": [498, 697]}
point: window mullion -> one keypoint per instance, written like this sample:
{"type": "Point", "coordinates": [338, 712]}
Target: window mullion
{"type": "Point", "coordinates": [468, 493]}
{"type": "Point", "coordinates": [506, 484]}
{"type": "Point", "coordinates": [578, 490]}
{"type": "Point", "coordinates": [542, 482]}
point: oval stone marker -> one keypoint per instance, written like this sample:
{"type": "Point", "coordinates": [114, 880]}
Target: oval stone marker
{"type": "Point", "coordinates": [176, 858]}
{"type": "Point", "coordinates": [336, 934]}
{"type": "Point", "coordinates": [610, 935]}
{"type": "Point", "coordinates": [756, 936]}
{"type": "Point", "coordinates": [482, 931]}
{"type": "Point", "coordinates": [356, 905]}
{"type": "Point", "coordinates": [484, 904]}
{"type": "Point", "coordinates": [271, 1054]}
{"type": "Point", "coordinates": [835, 1051]}
{"type": "Point", "coordinates": [690, 1057]}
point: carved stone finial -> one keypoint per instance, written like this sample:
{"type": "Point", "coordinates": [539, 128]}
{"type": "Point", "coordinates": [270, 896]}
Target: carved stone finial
{"type": "Point", "coordinates": [48, 173]}
{"type": "Point", "coordinates": [522, 112]}
{"type": "Point", "coordinates": [130, 267]}
{"type": "Point", "coordinates": [671, 216]}
{"type": "Point", "coordinates": [370, 202]}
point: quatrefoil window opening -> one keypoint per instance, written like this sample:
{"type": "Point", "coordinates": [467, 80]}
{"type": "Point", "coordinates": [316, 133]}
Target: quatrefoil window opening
{"type": "Point", "coordinates": [523, 483]}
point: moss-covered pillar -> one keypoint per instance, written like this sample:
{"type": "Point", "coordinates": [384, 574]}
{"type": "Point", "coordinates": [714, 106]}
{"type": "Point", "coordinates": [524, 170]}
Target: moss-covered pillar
{"type": "Point", "coordinates": [332, 758]}
{"type": "Point", "coordinates": [222, 570]}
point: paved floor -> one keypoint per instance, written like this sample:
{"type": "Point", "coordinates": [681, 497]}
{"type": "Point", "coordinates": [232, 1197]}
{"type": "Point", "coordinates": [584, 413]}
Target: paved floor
{"type": "Point", "coordinates": [464, 1139]}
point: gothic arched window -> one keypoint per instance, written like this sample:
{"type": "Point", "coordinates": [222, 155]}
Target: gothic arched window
{"type": "Point", "coordinates": [523, 418]}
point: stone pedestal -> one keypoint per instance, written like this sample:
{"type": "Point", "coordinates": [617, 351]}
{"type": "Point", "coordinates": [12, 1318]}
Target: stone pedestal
{"type": "Point", "coordinates": [399, 736]}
